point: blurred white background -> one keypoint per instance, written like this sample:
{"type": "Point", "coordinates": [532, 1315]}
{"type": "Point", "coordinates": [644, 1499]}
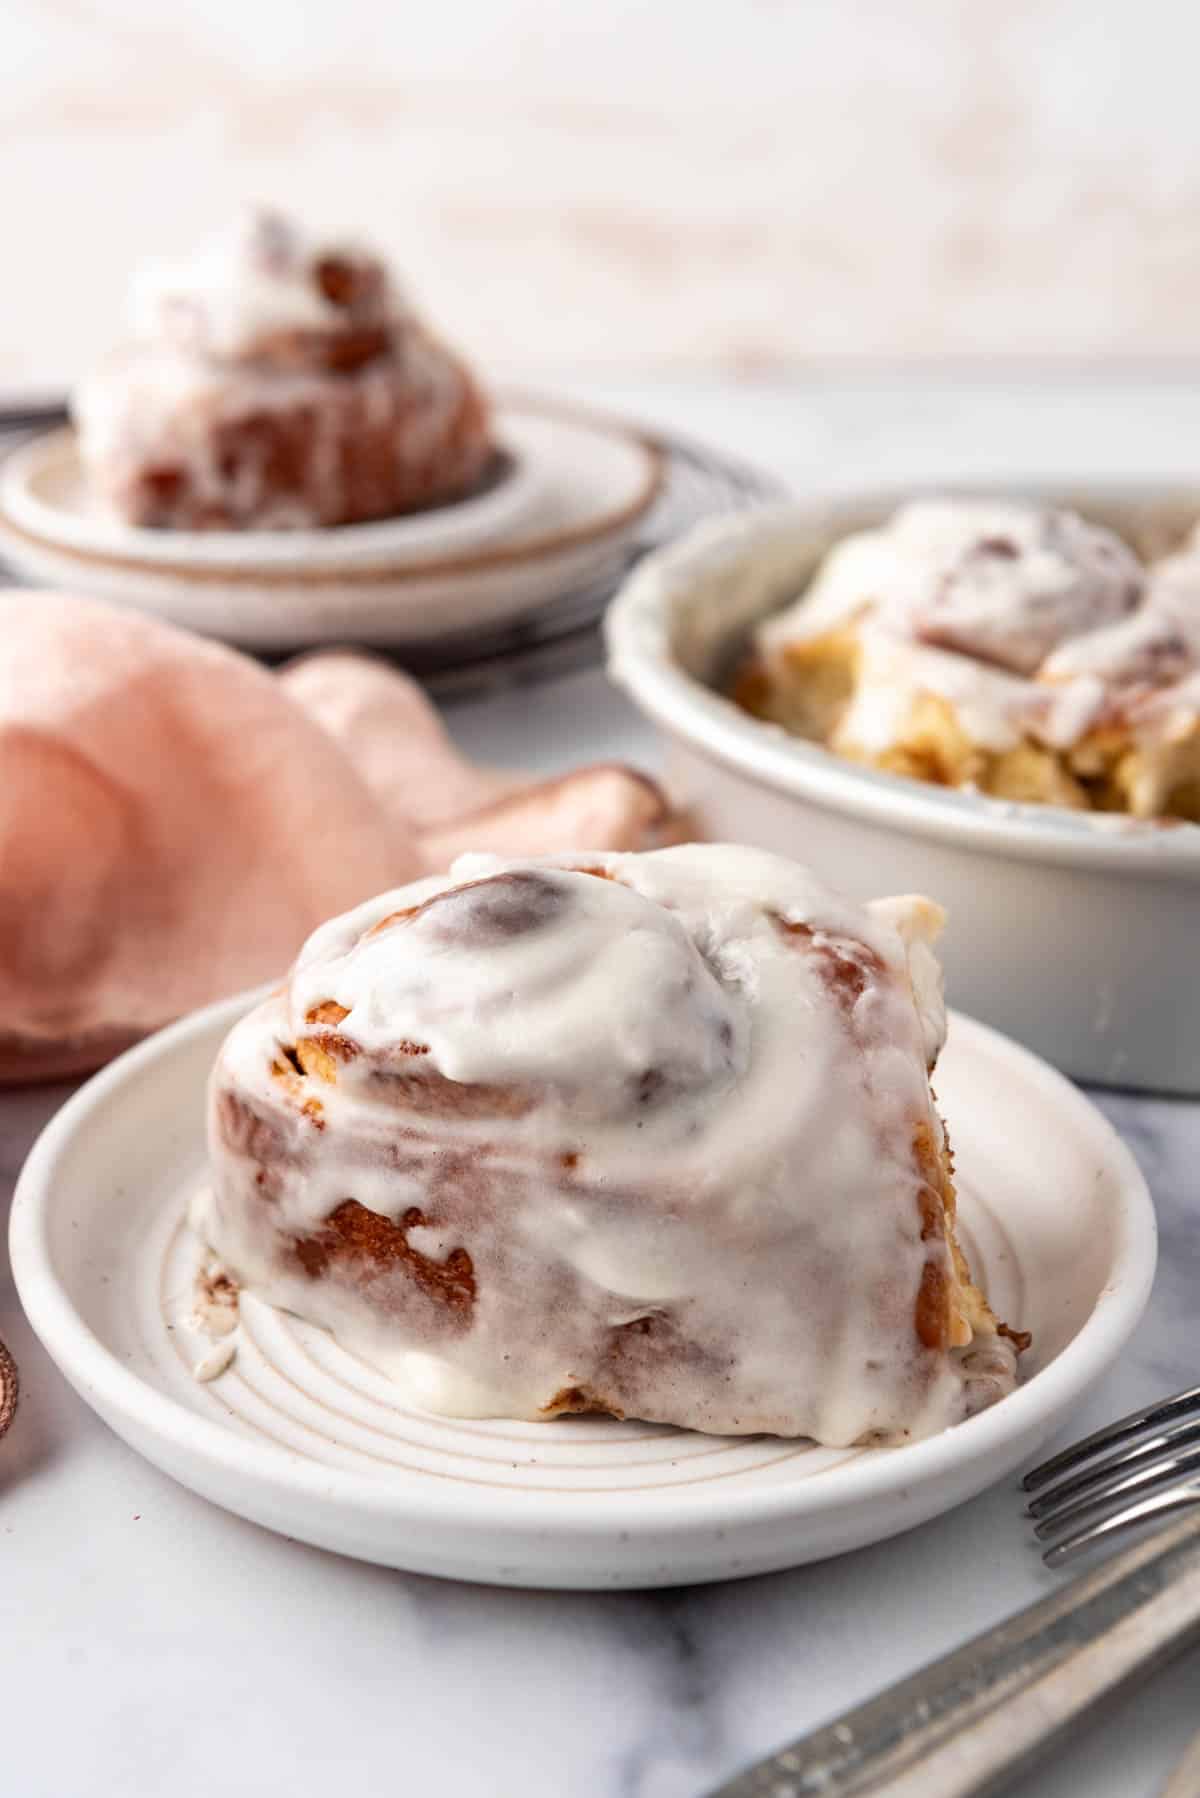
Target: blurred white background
{"type": "Point", "coordinates": [740, 183]}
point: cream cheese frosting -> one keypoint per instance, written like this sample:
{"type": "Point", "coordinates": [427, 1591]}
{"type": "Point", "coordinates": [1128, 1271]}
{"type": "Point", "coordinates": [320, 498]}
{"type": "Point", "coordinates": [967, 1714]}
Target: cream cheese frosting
{"type": "Point", "coordinates": [1004, 583]}
{"type": "Point", "coordinates": [652, 1130]}
{"type": "Point", "coordinates": [249, 284]}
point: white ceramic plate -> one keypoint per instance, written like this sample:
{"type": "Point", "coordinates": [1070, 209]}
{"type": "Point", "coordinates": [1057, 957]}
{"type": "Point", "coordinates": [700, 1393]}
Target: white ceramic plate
{"type": "Point", "coordinates": [45, 492]}
{"type": "Point", "coordinates": [578, 487]}
{"type": "Point", "coordinates": [306, 1439]}
{"type": "Point", "coordinates": [1074, 932]}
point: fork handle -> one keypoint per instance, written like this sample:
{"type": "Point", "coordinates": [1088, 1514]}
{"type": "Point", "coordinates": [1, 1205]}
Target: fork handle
{"type": "Point", "coordinates": [968, 1723]}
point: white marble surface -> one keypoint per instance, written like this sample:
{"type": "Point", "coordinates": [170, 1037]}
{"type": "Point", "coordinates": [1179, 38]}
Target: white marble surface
{"type": "Point", "coordinates": [154, 1644]}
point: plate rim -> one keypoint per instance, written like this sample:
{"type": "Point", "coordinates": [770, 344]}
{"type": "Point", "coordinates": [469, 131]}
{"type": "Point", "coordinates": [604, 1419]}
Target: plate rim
{"type": "Point", "coordinates": [109, 1387]}
{"type": "Point", "coordinates": [492, 507]}
{"type": "Point", "coordinates": [486, 558]}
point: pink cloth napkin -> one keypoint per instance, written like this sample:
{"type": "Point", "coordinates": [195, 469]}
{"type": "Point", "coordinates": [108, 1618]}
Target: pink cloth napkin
{"type": "Point", "coordinates": [174, 819]}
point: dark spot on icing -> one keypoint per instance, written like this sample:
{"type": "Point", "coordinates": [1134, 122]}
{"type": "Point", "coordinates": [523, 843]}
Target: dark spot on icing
{"type": "Point", "coordinates": [649, 1085]}
{"type": "Point", "coordinates": [1002, 548]}
{"type": "Point", "coordinates": [486, 912]}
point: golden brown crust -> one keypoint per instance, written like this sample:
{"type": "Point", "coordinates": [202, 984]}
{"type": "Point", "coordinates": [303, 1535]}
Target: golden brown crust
{"type": "Point", "coordinates": [579, 1401]}
{"type": "Point", "coordinates": [809, 684]}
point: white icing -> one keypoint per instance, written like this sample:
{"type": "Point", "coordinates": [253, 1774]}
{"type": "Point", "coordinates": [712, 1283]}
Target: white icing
{"type": "Point", "coordinates": [892, 676]}
{"type": "Point", "coordinates": [858, 576]}
{"type": "Point", "coordinates": [1154, 646]}
{"type": "Point", "coordinates": [627, 967]}
{"type": "Point", "coordinates": [1002, 582]}
{"type": "Point", "coordinates": [702, 1118]}
{"type": "Point", "coordinates": [247, 285]}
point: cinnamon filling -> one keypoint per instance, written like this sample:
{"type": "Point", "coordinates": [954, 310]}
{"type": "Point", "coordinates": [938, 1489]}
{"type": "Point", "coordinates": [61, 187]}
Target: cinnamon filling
{"type": "Point", "coordinates": [352, 1233]}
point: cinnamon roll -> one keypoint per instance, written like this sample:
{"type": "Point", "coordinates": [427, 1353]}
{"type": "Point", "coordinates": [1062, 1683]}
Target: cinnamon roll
{"type": "Point", "coordinates": [643, 1135]}
{"type": "Point", "coordinates": [1020, 652]}
{"type": "Point", "coordinates": [277, 384]}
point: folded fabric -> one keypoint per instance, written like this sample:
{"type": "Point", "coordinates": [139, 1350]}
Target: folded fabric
{"type": "Point", "coordinates": [175, 820]}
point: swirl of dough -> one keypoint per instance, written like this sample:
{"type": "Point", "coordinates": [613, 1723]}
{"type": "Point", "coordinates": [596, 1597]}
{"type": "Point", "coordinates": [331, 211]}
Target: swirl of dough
{"type": "Point", "coordinates": [615, 1000]}
{"type": "Point", "coordinates": [643, 1134]}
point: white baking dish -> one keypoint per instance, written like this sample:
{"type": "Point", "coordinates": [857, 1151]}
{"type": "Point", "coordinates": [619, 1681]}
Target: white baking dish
{"type": "Point", "coordinates": [1077, 934]}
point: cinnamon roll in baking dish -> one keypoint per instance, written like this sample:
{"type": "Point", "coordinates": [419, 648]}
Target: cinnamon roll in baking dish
{"type": "Point", "coordinates": [646, 1135]}
{"type": "Point", "coordinates": [276, 383]}
{"type": "Point", "coordinates": [1014, 650]}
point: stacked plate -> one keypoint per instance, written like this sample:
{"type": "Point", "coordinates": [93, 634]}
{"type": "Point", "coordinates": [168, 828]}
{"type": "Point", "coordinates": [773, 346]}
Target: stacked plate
{"type": "Point", "coordinates": [505, 585]}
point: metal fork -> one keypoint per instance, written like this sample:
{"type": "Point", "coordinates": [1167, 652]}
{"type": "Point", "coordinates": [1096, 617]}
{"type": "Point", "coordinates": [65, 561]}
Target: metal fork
{"type": "Point", "coordinates": [968, 1723]}
{"type": "Point", "coordinates": [1148, 1467]}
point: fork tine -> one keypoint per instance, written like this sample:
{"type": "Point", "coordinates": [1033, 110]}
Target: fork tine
{"type": "Point", "coordinates": [1174, 1435]}
{"type": "Point", "coordinates": [1165, 1467]}
{"type": "Point", "coordinates": [1181, 1404]}
{"type": "Point", "coordinates": [1158, 1504]}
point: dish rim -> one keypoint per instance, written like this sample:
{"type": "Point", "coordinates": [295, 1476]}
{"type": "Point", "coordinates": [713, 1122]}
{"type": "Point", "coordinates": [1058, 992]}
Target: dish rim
{"type": "Point", "coordinates": [642, 661]}
{"type": "Point", "coordinates": [116, 1391]}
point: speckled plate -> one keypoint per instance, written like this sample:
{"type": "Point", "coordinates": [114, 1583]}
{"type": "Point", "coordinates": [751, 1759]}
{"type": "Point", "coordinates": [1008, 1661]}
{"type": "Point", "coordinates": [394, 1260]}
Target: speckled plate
{"type": "Point", "coordinates": [303, 1437]}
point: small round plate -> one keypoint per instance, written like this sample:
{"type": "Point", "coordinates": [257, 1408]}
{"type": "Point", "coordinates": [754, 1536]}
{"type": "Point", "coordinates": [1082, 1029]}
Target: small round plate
{"type": "Point", "coordinates": [567, 494]}
{"type": "Point", "coordinates": [303, 1437]}
{"type": "Point", "coordinates": [45, 493]}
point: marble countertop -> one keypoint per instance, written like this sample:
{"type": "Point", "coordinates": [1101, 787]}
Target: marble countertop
{"type": "Point", "coordinates": [155, 1644]}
